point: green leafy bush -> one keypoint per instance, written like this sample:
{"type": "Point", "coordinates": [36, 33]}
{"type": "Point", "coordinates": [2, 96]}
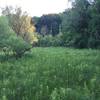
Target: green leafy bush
{"type": "Point", "coordinates": [49, 40]}
{"type": "Point", "coordinates": [18, 45]}
{"type": "Point", "coordinates": [9, 41]}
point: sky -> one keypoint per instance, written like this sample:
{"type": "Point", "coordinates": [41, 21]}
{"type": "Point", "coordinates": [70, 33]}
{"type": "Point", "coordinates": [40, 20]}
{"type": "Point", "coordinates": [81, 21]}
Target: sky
{"type": "Point", "coordinates": [38, 7]}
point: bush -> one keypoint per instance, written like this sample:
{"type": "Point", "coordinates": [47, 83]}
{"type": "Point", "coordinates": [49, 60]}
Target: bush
{"type": "Point", "coordinates": [49, 40]}
{"type": "Point", "coordinates": [68, 39]}
{"type": "Point", "coordinates": [18, 46]}
{"type": "Point", "coordinates": [75, 40]}
{"type": "Point", "coordinates": [9, 41]}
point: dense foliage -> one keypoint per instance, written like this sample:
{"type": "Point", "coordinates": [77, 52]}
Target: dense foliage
{"type": "Point", "coordinates": [47, 24]}
{"type": "Point", "coordinates": [9, 41]}
{"type": "Point", "coordinates": [80, 25]}
{"type": "Point", "coordinates": [49, 40]}
{"type": "Point", "coordinates": [51, 74]}
{"type": "Point", "coordinates": [20, 22]}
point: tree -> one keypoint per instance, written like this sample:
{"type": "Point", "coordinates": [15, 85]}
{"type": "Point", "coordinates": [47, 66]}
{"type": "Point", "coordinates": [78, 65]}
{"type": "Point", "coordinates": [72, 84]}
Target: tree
{"type": "Point", "coordinates": [9, 41]}
{"type": "Point", "coordinates": [48, 24]}
{"type": "Point", "coordinates": [94, 25]}
{"type": "Point", "coordinates": [75, 21]}
{"type": "Point", "coordinates": [20, 22]}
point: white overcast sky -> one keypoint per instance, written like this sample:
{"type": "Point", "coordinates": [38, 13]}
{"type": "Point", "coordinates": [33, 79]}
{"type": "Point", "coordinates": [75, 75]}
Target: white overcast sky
{"type": "Point", "coordinates": [37, 7]}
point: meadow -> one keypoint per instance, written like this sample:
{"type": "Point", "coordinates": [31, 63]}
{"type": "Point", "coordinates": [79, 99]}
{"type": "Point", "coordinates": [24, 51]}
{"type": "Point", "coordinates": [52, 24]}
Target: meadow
{"type": "Point", "coordinates": [51, 74]}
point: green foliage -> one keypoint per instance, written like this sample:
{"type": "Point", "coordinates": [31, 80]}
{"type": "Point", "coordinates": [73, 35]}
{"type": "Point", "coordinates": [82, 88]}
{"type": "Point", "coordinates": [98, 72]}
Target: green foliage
{"type": "Point", "coordinates": [20, 23]}
{"type": "Point", "coordinates": [9, 41]}
{"type": "Point", "coordinates": [94, 25]}
{"type": "Point", "coordinates": [75, 21]}
{"type": "Point", "coordinates": [49, 40]}
{"type": "Point", "coordinates": [4, 31]}
{"type": "Point", "coordinates": [51, 74]}
{"type": "Point", "coordinates": [47, 24]}
{"type": "Point", "coordinates": [80, 26]}
{"type": "Point", "coordinates": [68, 39]}
{"type": "Point", "coordinates": [18, 46]}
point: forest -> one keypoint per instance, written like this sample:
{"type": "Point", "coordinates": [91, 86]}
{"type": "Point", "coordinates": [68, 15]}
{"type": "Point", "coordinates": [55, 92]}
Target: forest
{"type": "Point", "coordinates": [51, 57]}
{"type": "Point", "coordinates": [76, 27]}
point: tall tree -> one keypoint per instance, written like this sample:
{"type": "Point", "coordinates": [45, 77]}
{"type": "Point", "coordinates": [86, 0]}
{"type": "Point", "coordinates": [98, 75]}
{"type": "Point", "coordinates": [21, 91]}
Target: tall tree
{"type": "Point", "coordinates": [48, 24]}
{"type": "Point", "coordinates": [20, 22]}
{"type": "Point", "coordinates": [9, 41]}
{"type": "Point", "coordinates": [94, 25]}
{"type": "Point", "coordinates": [75, 20]}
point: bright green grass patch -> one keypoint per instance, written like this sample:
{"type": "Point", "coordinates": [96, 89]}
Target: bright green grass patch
{"type": "Point", "coordinates": [51, 74]}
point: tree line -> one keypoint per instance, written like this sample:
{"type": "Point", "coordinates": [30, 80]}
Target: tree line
{"type": "Point", "coordinates": [79, 25]}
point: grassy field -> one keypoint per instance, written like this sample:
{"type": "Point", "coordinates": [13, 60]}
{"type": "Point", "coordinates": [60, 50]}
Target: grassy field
{"type": "Point", "coordinates": [51, 74]}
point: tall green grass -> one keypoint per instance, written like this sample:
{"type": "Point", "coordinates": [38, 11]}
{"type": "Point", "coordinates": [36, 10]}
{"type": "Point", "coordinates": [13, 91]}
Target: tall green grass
{"type": "Point", "coordinates": [51, 74]}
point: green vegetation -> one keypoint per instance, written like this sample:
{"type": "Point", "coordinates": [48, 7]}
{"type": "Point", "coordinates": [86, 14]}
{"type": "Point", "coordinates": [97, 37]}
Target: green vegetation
{"type": "Point", "coordinates": [10, 42]}
{"type": "Point", "coordinates": [79, 25]}
{"type": "Point", "coordinates": [51, 74]}
{"type": "Point", "coordinates": [49, 40]}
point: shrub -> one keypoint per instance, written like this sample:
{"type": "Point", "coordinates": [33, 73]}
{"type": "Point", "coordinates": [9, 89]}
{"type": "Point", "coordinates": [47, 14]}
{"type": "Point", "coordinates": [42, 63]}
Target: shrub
{"type": "Point", "coordinates": [10, 41]}
{"type": "Point", "coordinates": [68, 39]}
{"type": "Point", "coordinates": [18, 46]}
{"type": "Point", "coordinates": [49, 40]}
